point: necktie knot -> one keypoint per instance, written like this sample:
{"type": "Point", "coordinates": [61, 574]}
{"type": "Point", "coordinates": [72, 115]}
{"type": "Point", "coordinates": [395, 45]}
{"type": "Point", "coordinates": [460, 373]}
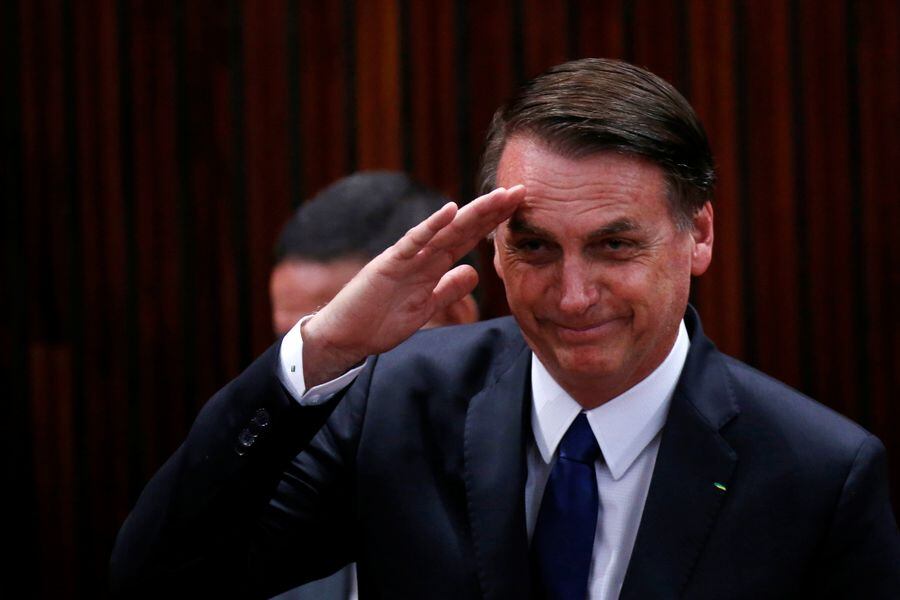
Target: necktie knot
{"type": "Point", "coordinates": [579, 443]}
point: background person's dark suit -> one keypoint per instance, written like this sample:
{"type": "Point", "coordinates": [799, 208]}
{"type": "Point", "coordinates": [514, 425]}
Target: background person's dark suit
{"type": "Point", "coordinates": [426, 451]}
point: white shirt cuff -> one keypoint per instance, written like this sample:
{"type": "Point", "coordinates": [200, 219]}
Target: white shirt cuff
{"type": "Point", "coordinates": [290, 371]}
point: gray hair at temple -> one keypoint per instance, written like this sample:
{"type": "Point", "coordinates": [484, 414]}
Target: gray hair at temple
{"type": "Point", "coordinates": [593, 105]}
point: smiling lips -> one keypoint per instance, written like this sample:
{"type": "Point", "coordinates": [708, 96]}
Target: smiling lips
{"type": "Point", "coordinates": [585, 332]}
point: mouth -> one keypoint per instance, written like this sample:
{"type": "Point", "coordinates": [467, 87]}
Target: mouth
{"type": "Point", "coordinates": [586, 332]}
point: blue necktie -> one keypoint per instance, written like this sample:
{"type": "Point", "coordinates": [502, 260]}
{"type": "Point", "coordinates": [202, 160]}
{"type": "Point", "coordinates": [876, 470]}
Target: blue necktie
{"type": "Point", "coordinates": [563, 537]}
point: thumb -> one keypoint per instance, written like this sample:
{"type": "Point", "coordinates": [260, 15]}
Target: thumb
{"type": "Point", "coordinates": [454, 285]}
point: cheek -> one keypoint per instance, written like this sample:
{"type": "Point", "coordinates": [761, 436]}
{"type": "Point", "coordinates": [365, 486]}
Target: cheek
{"type": "Point", "coordinates": [526, 287]}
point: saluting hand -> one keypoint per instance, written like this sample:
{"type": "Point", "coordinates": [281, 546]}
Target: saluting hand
{"type": "Point", "coordinates": [403, 287]}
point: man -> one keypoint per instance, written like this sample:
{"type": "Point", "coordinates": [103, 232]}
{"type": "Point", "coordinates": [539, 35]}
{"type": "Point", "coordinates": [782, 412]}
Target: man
{"type": "Point", "coordinates": [324, 244]}
{"type": "Point", "coordinates": [332, 236]}
{"type": "Point", "coordinates": [596, 445]}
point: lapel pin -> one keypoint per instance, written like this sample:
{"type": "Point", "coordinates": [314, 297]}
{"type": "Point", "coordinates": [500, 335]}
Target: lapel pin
{"type": "Point", "coordinates": [293, 368]}
{"type": "Point", "coordinates": [719, 486]}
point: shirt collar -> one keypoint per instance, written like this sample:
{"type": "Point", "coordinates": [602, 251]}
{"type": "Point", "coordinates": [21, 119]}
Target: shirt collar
{"type": "Point", "coordinates": [623, 426]}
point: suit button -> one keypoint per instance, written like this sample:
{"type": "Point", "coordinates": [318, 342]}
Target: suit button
{"type": "Point", "coordinates": [246, 439]}
{"type": "Point", "coordinates": [260, 420]}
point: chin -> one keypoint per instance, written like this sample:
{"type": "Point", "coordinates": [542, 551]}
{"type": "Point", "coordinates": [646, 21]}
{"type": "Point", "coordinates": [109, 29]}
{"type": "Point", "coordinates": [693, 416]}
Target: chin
{"type": "Point", "coordinates": [578, 366]}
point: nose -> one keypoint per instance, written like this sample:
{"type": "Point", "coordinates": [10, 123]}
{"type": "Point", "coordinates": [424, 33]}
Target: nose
{"type": "Point", "coordinates": [578, 289]}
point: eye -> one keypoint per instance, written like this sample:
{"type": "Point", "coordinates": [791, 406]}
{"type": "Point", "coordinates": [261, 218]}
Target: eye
{"type": "Point", "coordinates": [530, 245]}
{"type": "Point", "coordinates": [617, 244]}
{"type": "Point", "coordinates": [533, 250]}
{"type": "Point", "coordinates": [615, 248]}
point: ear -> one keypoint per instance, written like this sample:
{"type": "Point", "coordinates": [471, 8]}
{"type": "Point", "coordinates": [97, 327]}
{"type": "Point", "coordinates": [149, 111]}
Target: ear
{"type": "Point", "coordinates": [702, 238]}
{"type": "Point", "coordinates": [463, 311]}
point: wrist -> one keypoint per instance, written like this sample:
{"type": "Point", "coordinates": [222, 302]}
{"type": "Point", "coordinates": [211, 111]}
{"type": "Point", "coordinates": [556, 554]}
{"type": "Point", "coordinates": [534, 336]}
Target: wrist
{"type": "Point", "coordinates": [323, 359]}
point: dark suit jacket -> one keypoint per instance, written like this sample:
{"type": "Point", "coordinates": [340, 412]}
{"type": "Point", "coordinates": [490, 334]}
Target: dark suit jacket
{"type": "Point", "coordinates": [419, 475]}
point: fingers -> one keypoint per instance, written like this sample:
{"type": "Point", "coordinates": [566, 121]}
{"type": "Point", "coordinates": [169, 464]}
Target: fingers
{"type": "Point", "coordinates": [451, 232]}
{"type": "Point", "coordinates": [476, 220]}
{"type": "Point", "coordinates": [455, 284]}
{"type": "Point", "coordinates": [417, 237]}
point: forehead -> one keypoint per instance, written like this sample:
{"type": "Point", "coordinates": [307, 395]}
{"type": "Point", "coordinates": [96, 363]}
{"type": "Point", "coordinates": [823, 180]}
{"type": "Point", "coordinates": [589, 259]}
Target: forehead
{"type": "Point", "coordinates": [605, 185]}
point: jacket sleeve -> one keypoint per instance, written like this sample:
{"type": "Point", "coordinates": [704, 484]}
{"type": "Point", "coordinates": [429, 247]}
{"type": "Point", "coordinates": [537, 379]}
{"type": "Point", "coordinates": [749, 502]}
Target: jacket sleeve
{"type": "Point", "coordinates": [861, 553]}
{"type": "Point", "coordinates": [206, 523]}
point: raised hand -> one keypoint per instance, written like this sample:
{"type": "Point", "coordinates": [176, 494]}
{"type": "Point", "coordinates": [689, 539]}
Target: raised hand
{"type": "Point", "coordinates": [402, 288]}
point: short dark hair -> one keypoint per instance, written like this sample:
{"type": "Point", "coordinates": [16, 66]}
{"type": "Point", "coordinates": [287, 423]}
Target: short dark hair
{"type": "Point", "coordinates": [358, 216]}
{"type": "Point", "coordinates": [592, 105]}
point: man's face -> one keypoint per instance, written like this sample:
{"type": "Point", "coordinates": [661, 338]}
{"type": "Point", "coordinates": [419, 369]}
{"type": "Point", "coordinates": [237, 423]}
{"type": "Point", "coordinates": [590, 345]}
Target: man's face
{"type": "Point", "coordinates": [596, 271]}
{"type": "Point", "coordinates": [298, 287]}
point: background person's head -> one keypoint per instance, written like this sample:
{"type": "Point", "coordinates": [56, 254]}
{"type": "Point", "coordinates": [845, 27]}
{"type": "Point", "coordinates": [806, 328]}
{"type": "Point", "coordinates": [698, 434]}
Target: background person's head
{"type": "Point", "coordinates": [592, 105]}
{"type": "Point", "coordinates": [333, 235]}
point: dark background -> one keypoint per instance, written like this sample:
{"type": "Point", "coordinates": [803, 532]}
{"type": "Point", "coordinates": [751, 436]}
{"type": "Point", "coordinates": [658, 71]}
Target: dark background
{"type": "Point", "coordinates": [152, 149]}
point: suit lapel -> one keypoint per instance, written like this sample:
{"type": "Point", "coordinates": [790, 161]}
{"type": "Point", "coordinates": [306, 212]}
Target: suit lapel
{"type": "Point", "coordinates": [684, 499]}
{"type": "Point", "coordinates": [495, 472]}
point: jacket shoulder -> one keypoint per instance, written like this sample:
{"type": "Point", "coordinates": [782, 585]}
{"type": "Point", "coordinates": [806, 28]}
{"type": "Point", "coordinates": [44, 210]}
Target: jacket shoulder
{"type": "Point", "coordinates": [789, 417]}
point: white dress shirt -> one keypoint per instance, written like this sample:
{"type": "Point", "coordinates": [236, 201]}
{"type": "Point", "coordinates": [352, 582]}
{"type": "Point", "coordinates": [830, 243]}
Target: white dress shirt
{"type": "Point", "coordinates": [627, 429]}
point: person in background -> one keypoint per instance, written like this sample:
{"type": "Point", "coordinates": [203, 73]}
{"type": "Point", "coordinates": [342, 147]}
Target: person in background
{"type": "Point", "coordinates": [324, 244]}
{"type": "Point", "coordinates": [332, 236]}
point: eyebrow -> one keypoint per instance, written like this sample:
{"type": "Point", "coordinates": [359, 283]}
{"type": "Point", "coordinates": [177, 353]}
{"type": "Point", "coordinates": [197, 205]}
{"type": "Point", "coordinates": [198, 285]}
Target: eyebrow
{"type": "Point", "coordinates": [615, 228]}
{"type": "Point", "coordinates": [519, 225]}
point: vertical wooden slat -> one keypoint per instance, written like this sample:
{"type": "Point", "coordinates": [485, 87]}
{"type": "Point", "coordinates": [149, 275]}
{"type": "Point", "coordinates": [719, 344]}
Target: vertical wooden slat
{"type": "Point", "coordinates": [545, 28]}
{"type": "Point", "coordinates": [719, 293]}
{"type": "Point", "coordinates": [877, 70]}
{"type": "Point", "coordinates": [232, 329]}
{"type": "Point", "coordinates": [268, 202]}
{"type": "Point", "coordinates": [463, 51]}
{"type": "Point", "coordinates": [493, 80]}
{"type": "Point", "coordinates": [600, 32]}
{"type": "Point", "coordinates": [433, 131]}
{"type": "Point", "coordinates": [827, 200]}
{"type": "Point", "coordinates": [378, 86]}
{"type": "Point", "coordinates": [656, 40]}
{"type": "Point", "coordinates": [103, 297]}
{"type": "Point", "coordinates": [323, 123]}
{"type": "Point", "coordinates": [17, 444]}
{"type": "Point", "coordinates": [159, 267]}
{"type": "Point", "coordinates": [492, 76]}
{"type": "Point", "coordinates": [770, 186]}
{"type": "Point", "coordinates": [47, 219]}
{"type": "Point", "coordinates": [54, 465]}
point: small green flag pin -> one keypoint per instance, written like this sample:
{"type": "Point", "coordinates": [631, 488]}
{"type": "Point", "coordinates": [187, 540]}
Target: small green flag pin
{"type": "Point", "coordinates": [719, 486]}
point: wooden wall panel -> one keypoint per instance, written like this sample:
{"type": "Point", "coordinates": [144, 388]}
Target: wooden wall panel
{"type": "Point", "coordinates": [265, 89]}
{"type": "Point", "coordinates": [432, 133]}
{"type": "Point", "coordinates": [378, 85]}
{"type": "Point", "coordinates": [769, 177]}
{"type": "Point", "coordinates": [157, 147]}
{"type": "Point", "coordinates": [826, 200]}
{"type": "Point", "coordinates": [719, 293]}
{"type": "Point", "coordinates": [326, 83]}
{"type": "Point", "coordinates": [152, 118]}
{"type": "Point", "coordinates": [599, 28]}
{"type": "Point", "coordinates": [875, 56]}
{"type": "Point", "coordinates": [18, 443]}
{"type": "Point", "coordinates": [659, 44]}
{"type": "Point", "coordinates": [102, 354]}
{"type": "Point", "coordinates": [544, 35]}
{"type": "Point", "coordinates": [491, 77]}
